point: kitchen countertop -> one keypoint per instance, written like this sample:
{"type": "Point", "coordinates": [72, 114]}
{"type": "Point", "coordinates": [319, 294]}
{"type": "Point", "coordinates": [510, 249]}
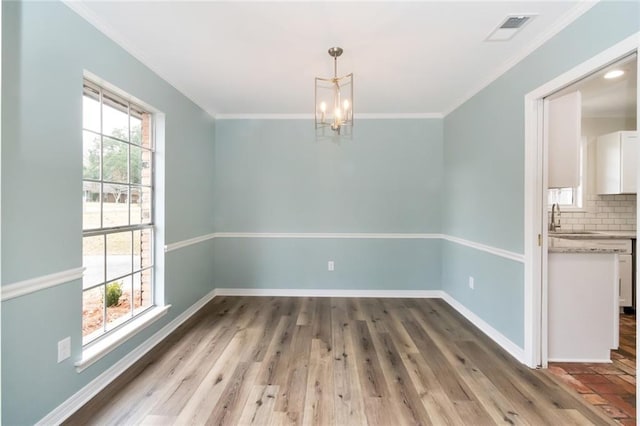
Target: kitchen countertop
{"type": "Point", "coordinates": [591, 242]}
{"type": "Point", "coordinates": [594, 235]}
{"type": "Point", "coordinates": [588, 250]}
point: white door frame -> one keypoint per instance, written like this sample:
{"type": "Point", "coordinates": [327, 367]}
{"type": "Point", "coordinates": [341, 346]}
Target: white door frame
{"type": "Point", "coordinates": [535, 221]}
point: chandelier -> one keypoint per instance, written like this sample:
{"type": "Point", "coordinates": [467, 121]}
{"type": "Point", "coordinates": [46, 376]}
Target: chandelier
{"type": "Point", "coordinates": [334, 101]}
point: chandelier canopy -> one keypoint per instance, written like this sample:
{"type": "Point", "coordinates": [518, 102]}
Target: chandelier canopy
{"type": "Point", "coordinates": [334, 101]}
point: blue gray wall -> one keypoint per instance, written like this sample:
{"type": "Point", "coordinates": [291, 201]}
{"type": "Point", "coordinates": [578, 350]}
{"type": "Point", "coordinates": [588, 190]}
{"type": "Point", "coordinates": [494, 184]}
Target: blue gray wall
{"type": "Point", "coordinates": [273, 176]}
{"type": "Point", "coordinates": [45, 48]}
{"type": "Point", "coordinates": [462, 176]}
{"type": "Point", "coordinates": [484, 167]}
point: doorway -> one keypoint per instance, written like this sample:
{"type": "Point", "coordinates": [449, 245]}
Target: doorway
{"type": "Point", "coordinates": [537, 199]}
{"type": "Point", "coordinates": [536, 183]}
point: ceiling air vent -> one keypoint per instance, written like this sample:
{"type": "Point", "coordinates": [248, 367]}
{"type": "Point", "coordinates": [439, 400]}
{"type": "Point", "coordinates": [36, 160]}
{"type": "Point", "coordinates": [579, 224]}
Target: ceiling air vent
{"type": "Point", "coordinates": [509, 27]}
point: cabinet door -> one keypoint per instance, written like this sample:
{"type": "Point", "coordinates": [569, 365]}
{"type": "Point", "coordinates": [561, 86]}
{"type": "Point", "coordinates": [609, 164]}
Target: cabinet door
{"type": "Point", "coordinates": [563, 131]}
{"type": "Point", "coordinates": [625, 279]}
{"type": "Point", "coordinates": [608, 164]}
{"type": "Point", "coordinates": [629, 156]}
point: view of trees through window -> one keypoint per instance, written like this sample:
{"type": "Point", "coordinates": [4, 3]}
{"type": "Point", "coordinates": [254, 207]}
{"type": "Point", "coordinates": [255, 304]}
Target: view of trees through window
{"type": "Point", "coordinates": [117, 211]}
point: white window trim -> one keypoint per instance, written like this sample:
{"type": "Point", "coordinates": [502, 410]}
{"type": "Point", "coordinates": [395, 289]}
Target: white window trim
{"type": "Point", "coordinates": [112, 340]}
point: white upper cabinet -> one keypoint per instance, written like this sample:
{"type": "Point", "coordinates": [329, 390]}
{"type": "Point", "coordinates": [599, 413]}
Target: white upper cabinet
{"type": "Point", "coordinates": [563, 132]}
{"type": "Point", "coordinates": [616, 163]}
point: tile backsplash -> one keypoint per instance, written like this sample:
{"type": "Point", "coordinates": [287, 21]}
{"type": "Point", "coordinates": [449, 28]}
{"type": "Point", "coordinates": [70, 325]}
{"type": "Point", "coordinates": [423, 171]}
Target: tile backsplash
{"type": "Point", "coordinates": [602, 213]}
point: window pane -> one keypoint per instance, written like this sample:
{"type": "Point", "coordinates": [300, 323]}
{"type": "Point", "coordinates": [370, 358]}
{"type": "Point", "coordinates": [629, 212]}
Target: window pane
{"type": "Point", "coordinates": [562, 196]}
{"type": "Point", "coordinates": [115, 207]}
{"type": "Point", "coordinates": [115, 119]}
{"type": "Point", "coordinates": [142, 290]}
{"type": "Point", "coordinates": [93, 260]}
{"type": "Point", "coordinates": [119, 255]}
{"type": "Point", "coordinates": [142, 249]}
{"type": "Point", "coordinates": [118, 299]}
{"type": "Point", "coordinates": [92, 313]}
{"type": "Point", "coordinates": [91, 113]}
{"type": "Point", "coordinates": [136, 130]}
{"type": "Point", "coordinates": [136, 165]}
{"type": "Point", "coordinates": [140, 205]}
{"type": "Point", "coordinates": [91, 155]}
{"type": "Point", "coordinates": [90, 205]}
{"type": "Point", "coordinates": [115, 161]}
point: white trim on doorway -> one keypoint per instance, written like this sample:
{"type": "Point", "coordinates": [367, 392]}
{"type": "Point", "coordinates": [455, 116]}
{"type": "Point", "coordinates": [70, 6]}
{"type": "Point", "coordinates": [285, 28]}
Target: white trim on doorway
{"type": "Point", "coordinates": [535, 183]}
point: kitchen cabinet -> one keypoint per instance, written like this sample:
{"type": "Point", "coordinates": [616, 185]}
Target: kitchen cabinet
{"type": "Point", "coordinates": [564, 134]}
{"type": "Point", "coordinates": [616, 163]}
{"type": "Point", "coordinates": [582, 306]}
{"type": "Point", "coordinates": [625, 280]}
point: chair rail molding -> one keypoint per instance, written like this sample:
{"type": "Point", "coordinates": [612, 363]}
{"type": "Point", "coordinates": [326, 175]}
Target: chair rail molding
{"type": "Point", "coordinates": [31, 285]}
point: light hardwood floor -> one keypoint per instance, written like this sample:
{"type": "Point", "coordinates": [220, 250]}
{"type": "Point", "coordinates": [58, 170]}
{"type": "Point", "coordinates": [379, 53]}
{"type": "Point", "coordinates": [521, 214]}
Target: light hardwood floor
{"type": "Point", "coordinates": [248, 360]}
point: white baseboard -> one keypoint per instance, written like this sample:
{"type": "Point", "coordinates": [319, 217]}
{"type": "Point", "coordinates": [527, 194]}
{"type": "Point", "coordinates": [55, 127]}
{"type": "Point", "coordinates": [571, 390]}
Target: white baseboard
{"type": "Point", "coordinates": [84, 395]}
{"type": "Point", "coordinates": [516, 351]}
{"type": "Point", "coordinates": [277, 292]}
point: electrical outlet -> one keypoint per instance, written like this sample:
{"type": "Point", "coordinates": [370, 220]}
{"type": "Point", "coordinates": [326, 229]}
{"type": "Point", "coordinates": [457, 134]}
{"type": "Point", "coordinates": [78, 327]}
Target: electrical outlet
{"type": "Point", "coordinates": [330, 266]}
{"type": "Point", "coordinates": [64, 349]}
{"type": "Point", "coordinates": [472, 284]}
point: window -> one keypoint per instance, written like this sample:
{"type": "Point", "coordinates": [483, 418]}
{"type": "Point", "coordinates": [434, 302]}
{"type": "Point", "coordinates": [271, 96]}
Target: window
{"type": "Point", "coordinates": [117, 211]}
{"type": "Point", "coordinates": [571, 198]}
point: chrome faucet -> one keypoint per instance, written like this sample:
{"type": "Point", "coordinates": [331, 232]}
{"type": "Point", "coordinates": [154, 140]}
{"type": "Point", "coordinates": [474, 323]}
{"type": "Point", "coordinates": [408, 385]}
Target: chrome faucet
{"type": "Point", "coordinates": [555, 220]}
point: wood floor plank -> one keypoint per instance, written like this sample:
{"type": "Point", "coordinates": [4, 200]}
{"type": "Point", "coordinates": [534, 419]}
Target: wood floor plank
{"type": "Point", "coordinates": [348, 394]}
{"type": "Point", "coordinates": [274, 366]}
{"type": "Point", "coordinates": [259, 406]}
{"type": "Point", "coordinates": [321, 326]}
{"type": "Point", "coordinates": [204, 399]}
{"type": "Point", "coordinates": [374, 313]}
{"type": "Point", "coordinates": [448, 378]}
{"type": "Point", "coordinates": [291, 395]}
{"type": "Point", "coordinates": [333, 361]}
{"type": "Point", "coordinates": [154, 420]}
{"type": "Point", "coordinates": [379, 411]}
{"type": "Point", "coordinates": [370, 373]}
{"type": "Point", "coordinates": [440, 408]}
{"type": "Point", "coordinates": [408, 403]}
{"type": "Point", "coordinates": [234, 397]}
{"type": "Point", "coordinates": [180, 386]}
{"type": "Point", "coordinates": [486, 401]}
{"type": "Point", "coordinates": [318, 405]}
{"type": "Point", "coordinates": [307, 310]}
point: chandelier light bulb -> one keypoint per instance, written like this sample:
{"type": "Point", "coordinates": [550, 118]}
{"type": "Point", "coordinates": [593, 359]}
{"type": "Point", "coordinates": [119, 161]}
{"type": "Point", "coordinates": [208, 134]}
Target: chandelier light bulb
{"type": "Point", "coordinates": [333, 101]}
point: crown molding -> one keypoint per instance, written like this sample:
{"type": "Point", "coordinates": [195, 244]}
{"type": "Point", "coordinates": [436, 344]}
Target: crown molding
{"type": "Point", "coordinates": [583, 6]}
{"type": "Point", "coordinates": [578, 10]}
{"type": "Point", "coordinates": [87, 14]}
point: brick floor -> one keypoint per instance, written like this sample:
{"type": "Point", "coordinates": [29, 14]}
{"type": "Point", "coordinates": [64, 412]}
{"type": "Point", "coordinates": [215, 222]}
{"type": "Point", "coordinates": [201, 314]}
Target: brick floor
{"type": "Point", "coordinates": [611, 387]}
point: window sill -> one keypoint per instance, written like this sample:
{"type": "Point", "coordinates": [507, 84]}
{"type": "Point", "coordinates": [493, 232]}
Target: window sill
{"type": "Point", "coordinates": [101, 348]}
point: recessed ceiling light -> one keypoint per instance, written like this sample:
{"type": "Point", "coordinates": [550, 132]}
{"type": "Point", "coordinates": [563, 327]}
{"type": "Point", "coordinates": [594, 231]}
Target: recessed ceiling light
{"type": "Point", "coordinates": [613, 74]}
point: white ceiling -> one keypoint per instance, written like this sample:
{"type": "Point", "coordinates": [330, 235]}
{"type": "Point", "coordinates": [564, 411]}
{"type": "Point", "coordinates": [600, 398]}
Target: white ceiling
{"type": "Point", "coordinates": [611, 98]}
{"type": "Point", "coordinates": [237, 57]}
{"type": "Point", "coordinates": [603, 98]}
